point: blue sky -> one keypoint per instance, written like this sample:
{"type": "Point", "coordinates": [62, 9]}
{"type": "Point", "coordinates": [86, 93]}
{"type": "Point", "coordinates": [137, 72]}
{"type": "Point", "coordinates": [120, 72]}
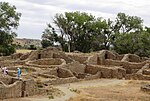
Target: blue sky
{"type": "Point", "coordinates": [36, 14]}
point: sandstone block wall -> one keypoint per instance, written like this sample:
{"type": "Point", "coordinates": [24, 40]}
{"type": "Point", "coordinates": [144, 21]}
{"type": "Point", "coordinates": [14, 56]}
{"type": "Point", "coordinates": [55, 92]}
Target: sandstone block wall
{"type": "Point", "coordinates": [29, 88]}
{"type": "Point", "coordinates": [80, 59]}
{"type": "Point", "coordinates": [11, 91]}
{"type": "Point", "coordinates": [63, 80]}
{"type": "Point", "coordinates": [64, 73]}
{"type": "Point", "coordinates": [106, 72]}
{"type": "Point", "coordinates": [75, 67]}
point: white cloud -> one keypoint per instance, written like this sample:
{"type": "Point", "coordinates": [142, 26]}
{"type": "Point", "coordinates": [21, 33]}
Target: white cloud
{"type": "Point", "coordinates": [37, 13]}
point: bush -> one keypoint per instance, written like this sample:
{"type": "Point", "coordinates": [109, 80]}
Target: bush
{"type": "Point", "coordinates": [7, 50]}
{"type": "Point", "coordinates": [32, 47]}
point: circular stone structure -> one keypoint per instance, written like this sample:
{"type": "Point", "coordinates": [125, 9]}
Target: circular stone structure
{"type": "Point", "coordinates": [24, 70]}
{"type": "Point", "coordinates": [146, 88]}
{"type": "Point", "coordinates": [47, 62]}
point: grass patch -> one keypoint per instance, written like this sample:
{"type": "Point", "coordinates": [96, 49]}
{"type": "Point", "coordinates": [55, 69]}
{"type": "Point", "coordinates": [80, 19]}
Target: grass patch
{"type": "Point", "coordinates": [51, 97]}
{"type": "Point", "coordinates": [74, 90]}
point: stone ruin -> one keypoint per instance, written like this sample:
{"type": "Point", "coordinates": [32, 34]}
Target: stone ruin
{"type": "Point", "coordinates": [51, 66]}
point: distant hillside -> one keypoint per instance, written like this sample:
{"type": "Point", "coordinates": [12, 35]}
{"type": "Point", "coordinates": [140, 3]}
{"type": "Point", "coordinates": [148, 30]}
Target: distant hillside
{"type": "Point", "coordinates": [27, 42]}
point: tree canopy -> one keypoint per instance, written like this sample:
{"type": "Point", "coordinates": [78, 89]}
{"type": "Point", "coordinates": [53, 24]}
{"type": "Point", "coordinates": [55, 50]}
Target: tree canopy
{"type": "Point", "coordinates": [9, 20]}
{"type": "Point", "coordinates": [84, 32]}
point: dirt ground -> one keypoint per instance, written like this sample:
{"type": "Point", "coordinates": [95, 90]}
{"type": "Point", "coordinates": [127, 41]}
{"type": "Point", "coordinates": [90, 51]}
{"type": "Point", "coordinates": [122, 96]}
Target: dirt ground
{"type": "Point", "coordinates": [23, 50]}
{"type": "Point", "coordinates": [126, 91]}
{"type": "Point", "coordinates": [96, 90]}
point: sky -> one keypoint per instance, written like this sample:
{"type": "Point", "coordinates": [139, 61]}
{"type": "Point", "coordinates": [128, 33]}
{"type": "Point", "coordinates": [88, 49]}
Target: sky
{"type": "Point", "coordinates": [36, 14]}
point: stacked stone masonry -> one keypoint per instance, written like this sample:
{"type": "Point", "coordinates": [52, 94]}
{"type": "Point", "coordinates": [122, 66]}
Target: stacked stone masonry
{"type": "Point", "coordinates": [51, 66]}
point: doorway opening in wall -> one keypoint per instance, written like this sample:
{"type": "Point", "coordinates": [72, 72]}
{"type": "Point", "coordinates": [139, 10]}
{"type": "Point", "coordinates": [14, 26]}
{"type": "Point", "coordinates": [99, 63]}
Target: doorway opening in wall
{"type": "Point", "coordinates": [106, 56]}
{"type": "Point", "coordinates": [39, 56]}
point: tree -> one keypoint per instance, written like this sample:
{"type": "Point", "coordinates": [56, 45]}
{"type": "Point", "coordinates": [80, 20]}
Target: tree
{"type": "Point", "coordinates": [77, 31]}
{"type": "Point", "coordinates": [9, 20]}
{"type": "Point", "coordinates": [49, 37]}
{"type": "Point", "coordinates": [127, 32]}
{"type": "Point", "coordinates": [125, 23]}
{"type": "Point", "coordinates": [135, 43]}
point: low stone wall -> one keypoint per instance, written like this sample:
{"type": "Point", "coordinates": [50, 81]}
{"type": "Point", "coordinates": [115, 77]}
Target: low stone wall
{"type": "Point", "coordinates": [64, 73]}
{"type": "Point", "coordinates": [131, 58]}
{"type": "Point", "coordinates": [126, 65]}
{"type": "Point", "coordinates": [146, 72]}
{"type": "Point", "coordinates": [137, 77]}
{"type": "Point", "coordinates": [92, 60]}
{"type": "Point", "coordinates": [30, 88]}
{"type": "Point", "coordinates": [134, 58]}
{"type": "Point", "coordinates": [46, 63]}
{"type": "Point", "coordinates": [63, 80]}
{"type": "Point", "coordinates": [11, 91]}
{"type": "Point", "coordinates": [5, 79]}
{"type": "Point", "coordinates": [62, 56]}
{"type": "Point", "coordinates": [110, 55]}
{"type": "Point", "coordinates": [16, 55]}
{"type": "Point", "coordinates": [3, 58]}
{"type": "Point", "coordinates": [11, 63]}
{"type": "Point", "coordinates": [145, 88]}
{"type": "Point", "coordinates": [106, 72]}
{"type": "Point", "coordinates": [19, 89]}
{"type": "Point", "coordinates": [78, 58]}
{"type": "Point", "coordinates": [52, 71]}
{"type": "Point", "coordinates": [75, 67]}
{"type": "Point", "coordinates": [91, 77]}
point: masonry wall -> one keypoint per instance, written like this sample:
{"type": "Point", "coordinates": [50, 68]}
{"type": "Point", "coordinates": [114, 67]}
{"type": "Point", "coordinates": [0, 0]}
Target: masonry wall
{"type": "Point", "coordinates": [11, 91]}
{"type": "Point", "coordinates": [78, 58]}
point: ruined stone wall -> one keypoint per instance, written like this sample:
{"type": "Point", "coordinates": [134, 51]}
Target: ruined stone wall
{"type": "Point", "coordinates": [3, 58]}
{"type": "Point", "coordinates": [78, 58]}
{"type": "Point", "coordinates": [63, 56]}
{"type": "Point", "coordinates": [134, 58]}
{"type": "Point", "coordinates": [16, 55]}
{"type": "Point", "coordinates": [126, 65]}
{"type": "Point", "coordinates": [125, 58]}
{"type": "Point", "coordinates": [46, 63]}
{"type": "Point", "coordinates": [20, 89]}
{"type": "Point", "coordinates": [63, 80]}
{"type": "Point", "coordinates": [92, 60]}
{"type": "Point", "coordinates": [25, 56]}
{"type": "Point", "coordinates": [106, 72]}
{"type": "Point", "coordinates": [64, 73]}
{"type": "Point", "coordinates": [5, 79]}
{"type": "Point", "coordinates": [91, 77]}
{"type": "Point", "coordinates": [11, 63]}
{"type": "Point", "coordinates": [131, 58]}
{"type": "Point", "coordinates": [29, 88]}
{"type": "Point", "coordinates": [11, 91]}
{"type": "Point", "coordinates": [75, 67]}
{"type": "Point", "coordinates": [110, 55]}
{"type": "Point", "coordinates": [137, 77]}
{"type": "Point", "coordinates": [52, 71]}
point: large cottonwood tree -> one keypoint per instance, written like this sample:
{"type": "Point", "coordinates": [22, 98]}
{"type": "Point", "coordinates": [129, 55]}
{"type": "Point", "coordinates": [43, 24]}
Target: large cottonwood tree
{"type": "Point", "coordinates": [9, 21]}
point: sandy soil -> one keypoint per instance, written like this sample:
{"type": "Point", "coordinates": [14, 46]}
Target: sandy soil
{"type": "Point", "coordinates": [96, 90]}
{"type": "Point", "coordinates": [125, 91]}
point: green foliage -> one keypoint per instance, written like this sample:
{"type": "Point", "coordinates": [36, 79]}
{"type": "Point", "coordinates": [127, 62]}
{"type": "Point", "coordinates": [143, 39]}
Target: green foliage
{"type": "Point", "coordinates": [32, 47]}
{"type": "Point", "coordinates": [74, 90]}
{"type": "Point", "coordinates": [125, 23]}
{"type": "Point", "coordinates": [9, 20]}
{"type": "Point", "coordinates": [135, 43]}
{"type": "Point", "coordinates": [76, 31]}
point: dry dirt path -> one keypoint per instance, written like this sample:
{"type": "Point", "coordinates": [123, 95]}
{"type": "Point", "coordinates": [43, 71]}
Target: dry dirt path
{"type": "Point", "coordinates": [76, 86]}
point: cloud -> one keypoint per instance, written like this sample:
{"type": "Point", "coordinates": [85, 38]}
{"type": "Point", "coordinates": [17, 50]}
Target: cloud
{"type": "Point", "coordinates": [37, 13]}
